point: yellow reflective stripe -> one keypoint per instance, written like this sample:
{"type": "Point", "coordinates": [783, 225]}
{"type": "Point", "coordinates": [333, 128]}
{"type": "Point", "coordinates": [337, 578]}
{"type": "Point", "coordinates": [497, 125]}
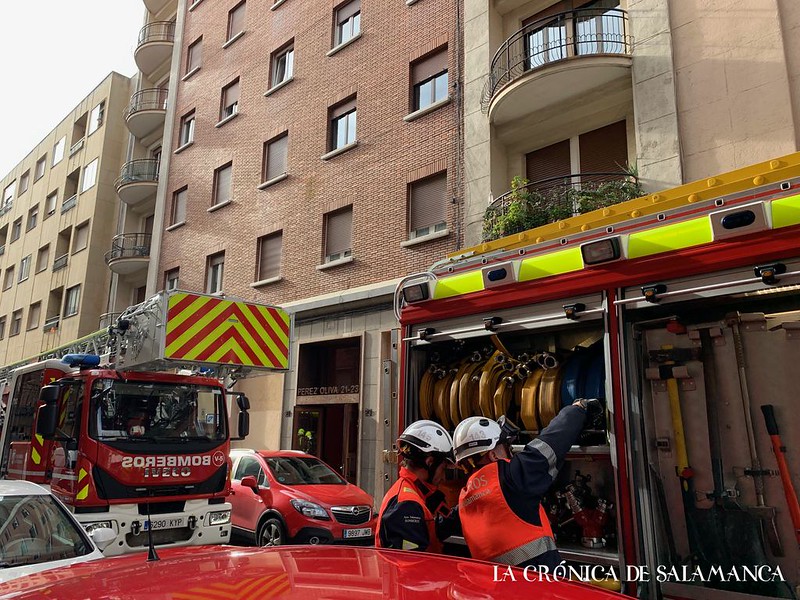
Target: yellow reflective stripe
{"type": "Point", "coordinates": [786, 211]}
{"type": "Point", "coordinates": [35, 456]}
{"type": "Point", "coordinates": [562, 261]}
{"type": "Point", "coordinates": [39, 439]}
{"type": "Point", "coordinates": [458, 284]}
{"type": "Point", "coordinates": [670, 237]}
{"type": "Point", "coordinates": [81, 474]}
{"type": "Point", "coordinates": [83, 493]}
{"type": "Point", "coordinates": [408, 489]}
{"type": "Point", "coordinates": [409, 545]}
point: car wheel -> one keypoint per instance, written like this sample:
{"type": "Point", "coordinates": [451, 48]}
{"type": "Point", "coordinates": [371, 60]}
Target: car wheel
{"type": "Point", "coordinates": [271, 533]}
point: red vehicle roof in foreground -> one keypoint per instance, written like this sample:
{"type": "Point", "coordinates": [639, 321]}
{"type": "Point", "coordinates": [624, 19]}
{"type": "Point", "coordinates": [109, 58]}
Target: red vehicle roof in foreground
{"type": "Point", "coordinates": [220, 572]}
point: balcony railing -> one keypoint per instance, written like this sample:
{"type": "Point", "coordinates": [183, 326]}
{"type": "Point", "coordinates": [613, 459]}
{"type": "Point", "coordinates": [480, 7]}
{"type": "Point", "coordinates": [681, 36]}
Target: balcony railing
{"type": "Point", "coordinates": [157, 31]}
{"type": "Point", "coordinates": [141, 170]}
{"type": "Point", "coordinates": [529, 205]}
{"type": "Point", "coordinates": [149, 99]}
{"type": "Point", "coordinates": [69, 203]}
{"type": "Point", "coordinates": [129, 245]}
{"type": "Point", "coordinates": [76, 146]}
{"type": "Point", "coordinates": [2, 249]}
{"type": "Point", "coordinates": [60, 262]}
{"type": "Point", "coordinates": [51, 324]}
{"type": "Point", "coordinates": [6, 207]}
{"type": "Point", "coordinates": [580, 32]}
{"type": "Point", "coordinates": [108, 319]}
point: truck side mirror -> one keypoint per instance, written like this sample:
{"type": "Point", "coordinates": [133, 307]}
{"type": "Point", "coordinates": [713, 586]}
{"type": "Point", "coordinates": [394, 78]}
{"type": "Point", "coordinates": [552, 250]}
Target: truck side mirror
{"type": "Point", "coordinates": [244, 425]}
{"type": "Point", "coordinates": [49, 394]}
{"type": "Point", "coordinates": [243, 402]}
{"type": "Point", "coordinates": [47, 420]}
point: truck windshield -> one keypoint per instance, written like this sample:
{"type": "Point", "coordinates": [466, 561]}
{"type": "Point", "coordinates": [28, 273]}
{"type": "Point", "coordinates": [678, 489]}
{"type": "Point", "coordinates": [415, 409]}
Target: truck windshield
{"type": "Point", "coordinates": [156, 411]}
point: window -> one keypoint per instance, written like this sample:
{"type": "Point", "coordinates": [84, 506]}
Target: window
{"type": "Point", "coordinates": [89, 175]}
{"type": "Point", "coordinates": [43, 258]}
{"type": "Point", "coordinates": [236, 21]}
{"type": "Point", "coordinates": [72, 300]}
{"type": "Point", "coordinates": [38, 171]}
{"type": "Point", "coordinates": [81, 239]}
{"type": "Point", "coordinates": [50, 203]}
{"type": "Point", "coordinates": [24, 268]}
{"type": "Point", "coordinates": [338, 234]}
{"type": "Point", "coordinates": [230, 100]}
{"type": "Point", "coordinates": [34, 312]}
{"type": "Point", "coordinates": [16, 323]}
{"type": "Point", "coordinates": [269, 256]}
{"type": "Point", "coordinates": [58, 150]}
{"type": "Point", "coordinates": [178, 209]}
{"type": "Point", "coordinates": [194, 55]}
{"type": "Point", "coordinates": [426, 205]}
{"type": "Point", "coordinates": [429, 77]}
{"type": "Point", "coordinates": [283, 64]}
{"type": "Point", "coordinates": [2, 327]}
{"type": "Point", "coordinates": [8, 194]}
{"type": "Point", "coordinates": [275, 151]}
{"type": "Point", "coordinates": [187, 129]}
{"type": "Point", "coordinates": [16, 229]}
{"type": "Point", "coordinates": [24, 180]}
{"type": "Point", "coordinates": [33, 218]}
{"type": "Point", "coordinates": [343, 124]}
{"type": "Point", "coordinates": [171, 279]}
{"type": "Point", "coordinates": [348, 21]}
{"type": "Point", "coordinates": [215, 267]}
{"type": "Point", "coordinates": [96, 117]}
{"type": "Point", "coordinates": [8, 280]}
{"type": "Point", "coordinates": [222, 184]}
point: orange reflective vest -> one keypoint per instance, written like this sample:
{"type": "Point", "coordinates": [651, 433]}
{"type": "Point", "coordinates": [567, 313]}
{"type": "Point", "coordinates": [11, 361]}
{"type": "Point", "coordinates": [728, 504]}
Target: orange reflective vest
{"type": "Point", "coordinates": [493, 531]}
{"type": "Point", "coordinates": [405, 490]}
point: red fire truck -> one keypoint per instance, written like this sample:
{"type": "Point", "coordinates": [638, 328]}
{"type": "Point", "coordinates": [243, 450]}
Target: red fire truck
{"type": "Point", "coordinates": [141, 442]}
{"type": "Point", "coordinates": [681, 311]}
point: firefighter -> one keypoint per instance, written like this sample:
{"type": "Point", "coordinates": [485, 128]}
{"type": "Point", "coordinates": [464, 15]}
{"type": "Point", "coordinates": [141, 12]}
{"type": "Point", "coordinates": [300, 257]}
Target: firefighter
{"type": "Point", "coordinates": [500, 508]}
{"type": "Point", "coordinates": [413, 514]}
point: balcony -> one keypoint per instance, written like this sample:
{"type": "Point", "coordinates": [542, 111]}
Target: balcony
{"type": "Point", "coordinates": [156, 6]}
{"type": "Point", "coordinates": [69, 203]}
{"type": "Point", "coordinates": [130, 252]}
{"type": "Point", "coordinates": [555, 60]}
{"type": "Point", "coordinates": [60, 262]}
{"type": "Point", "coordinates": [137, 181]}
{"type": "Point", "coordinates": [146, 111]}
{"type": "Point", "coordinates": [108, 319]}
{"type": "Point", "coordinates": [529, 205]}
{"type": "Point", "coordinates": [154, 46]}
{"type": "Point", "coordinates": [51, 324]}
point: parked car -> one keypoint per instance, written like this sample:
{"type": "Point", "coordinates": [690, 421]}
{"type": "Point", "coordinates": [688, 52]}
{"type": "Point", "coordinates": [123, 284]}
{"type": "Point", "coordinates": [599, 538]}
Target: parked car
{"type": "Point", "coordinates": [37, 532]}
{"type": "Point", "coordinates": [286, 496]}
{"type": "Point", "coordinates": [294, 572]}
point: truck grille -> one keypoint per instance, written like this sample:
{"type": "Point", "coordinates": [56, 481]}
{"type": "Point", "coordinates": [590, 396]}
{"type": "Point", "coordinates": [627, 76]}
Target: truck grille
{"type": "Point", "coordinates": [351, 515]}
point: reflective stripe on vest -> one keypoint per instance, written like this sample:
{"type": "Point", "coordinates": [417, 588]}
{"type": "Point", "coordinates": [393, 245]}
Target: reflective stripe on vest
{"type": "Point", "coordinates": [493, 531]}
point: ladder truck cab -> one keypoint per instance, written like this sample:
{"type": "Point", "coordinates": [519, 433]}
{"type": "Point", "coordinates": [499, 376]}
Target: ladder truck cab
{"type": "Point", "coordinates": [130, 441]}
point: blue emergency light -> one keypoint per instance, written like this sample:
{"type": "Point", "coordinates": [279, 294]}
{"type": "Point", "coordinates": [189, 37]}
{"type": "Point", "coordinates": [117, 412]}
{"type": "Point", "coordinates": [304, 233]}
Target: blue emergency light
{"type": "Point", "coordinates": [82, 361]}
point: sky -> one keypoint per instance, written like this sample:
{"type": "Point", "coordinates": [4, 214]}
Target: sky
{"type": "Point", "coordinates": [55, 52]}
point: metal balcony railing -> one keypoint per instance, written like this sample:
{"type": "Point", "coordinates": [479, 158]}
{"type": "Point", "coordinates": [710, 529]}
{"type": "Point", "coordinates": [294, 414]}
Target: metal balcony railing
{"type": "Point", "coordinates": [529, 205]}
{"type": "Point", "coordinates": [76, 146]}
{"type": "Point", "coordinates": [157, 31]}
{"type": "Point", "coordinates": [2, 249]}
{"type": "Point", "coordinates": [69, 203]}
{"type": "Point", "coordinates": [108, 319]}
{"type": "Point", "coordinates": [129, 245]}
{"type": "Point", "coordinates": [580, 32]}
{"type": "Point", "coordinates": [149, 99]}
{"type": "Point", "coordinates": [141, 170]}
{"type": "Point", "coordinates": [51, 324]}
{"type": "Point", "coordinates": [60, 262]}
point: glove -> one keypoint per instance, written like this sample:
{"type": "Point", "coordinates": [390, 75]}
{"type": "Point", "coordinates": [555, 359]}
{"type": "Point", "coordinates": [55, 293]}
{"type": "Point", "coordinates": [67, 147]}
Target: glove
{"type": "Point", "coordinates": [595, 412]}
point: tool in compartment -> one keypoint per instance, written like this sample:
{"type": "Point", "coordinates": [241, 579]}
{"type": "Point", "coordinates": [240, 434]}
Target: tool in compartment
{"type": "Point", "coordinates": [766, 514]}
{"type": "Point", "coordinates": [786, 478]}
{"type": "Point", "coordinates": [579, 516]}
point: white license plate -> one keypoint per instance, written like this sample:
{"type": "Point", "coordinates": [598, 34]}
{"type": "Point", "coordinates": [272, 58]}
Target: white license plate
{"type": "Point", "coordinates": [358, 533]}
{"type": "Point", "coordinates": [155, 524]}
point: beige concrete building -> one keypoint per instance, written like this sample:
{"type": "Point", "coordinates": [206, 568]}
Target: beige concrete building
{"type": "Point", "coordinates": [675, 90]}
{"type": "Point", "coordinates": [57, 218]}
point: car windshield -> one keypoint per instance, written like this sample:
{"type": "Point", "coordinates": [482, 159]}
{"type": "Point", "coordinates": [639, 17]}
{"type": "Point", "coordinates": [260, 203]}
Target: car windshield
{"type": "Point", "coordinates": [156, 411]}
{"type": "Point", "coordinates": [36, 529]}
{"type": "Point", "coordinates": [302, 470]}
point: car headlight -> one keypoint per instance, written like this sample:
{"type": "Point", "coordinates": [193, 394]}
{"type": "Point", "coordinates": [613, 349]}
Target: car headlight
{"type": "Point", "coordinates": [220, 517]}
{"type": "Point", "coordinates": [309, 509]}
{"type": "Point", "coordinates": [90, 527]}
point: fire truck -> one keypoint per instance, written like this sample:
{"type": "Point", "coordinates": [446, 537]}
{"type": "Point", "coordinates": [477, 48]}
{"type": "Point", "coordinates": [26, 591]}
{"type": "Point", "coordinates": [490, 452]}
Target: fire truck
{"type": "Point", "coordinates": [680, 310]}
{"type": "Point", "coordinates": [130, 429]}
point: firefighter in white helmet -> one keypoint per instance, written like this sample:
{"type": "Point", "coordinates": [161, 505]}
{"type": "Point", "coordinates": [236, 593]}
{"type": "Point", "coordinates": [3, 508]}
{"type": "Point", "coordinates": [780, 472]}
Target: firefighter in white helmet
{"type": "Point", "coordinates": [500, 508]}
{"type": "Point", "coordinates": [413, 514]}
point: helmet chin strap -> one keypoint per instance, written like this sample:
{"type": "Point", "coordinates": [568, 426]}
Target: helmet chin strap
{"type": "Point", "coordinates": [431, 468]}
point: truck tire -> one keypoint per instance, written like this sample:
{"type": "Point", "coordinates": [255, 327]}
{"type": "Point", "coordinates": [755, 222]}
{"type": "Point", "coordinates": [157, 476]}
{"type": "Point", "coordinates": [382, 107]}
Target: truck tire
{"type": "Point", "coordinates": [271, 533]}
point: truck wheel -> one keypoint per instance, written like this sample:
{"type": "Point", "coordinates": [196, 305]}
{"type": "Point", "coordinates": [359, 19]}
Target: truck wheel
{"type": "Point", "coordinates": [271, 533]}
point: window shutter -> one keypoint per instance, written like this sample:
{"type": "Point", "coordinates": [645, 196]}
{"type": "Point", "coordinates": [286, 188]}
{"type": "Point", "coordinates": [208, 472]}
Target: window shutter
{"type": "Point", "coordinates": [338, 236]}
{"type": "Point", "coordinates": [276, 157]}
{"type": "Point", "coordinates": [348, 10]}
{"type": "Point", "coordinates": [428, 67]}
{"type": "Point", "coordinates": [551, 161]}
{"type": "Point", "coordinates": [81, 237]}
{"type": "Point", "coordinates": [223, 185]}
{"type": "Point", "coordinates": [231, 93]}
{"type": "Point", "coordinates": [179, 207]}
{"type": "Point", "coordinates": [604, 150]}
{"type": "Point", "coordinates": [343, 108]}
{"type": "Point", "coordinates": [269, 259]}
{"type": "Point", "coordinates": [195, 55]}
{"type": "Point", "coordinates": [428, 202]}
{"type": "Point", "coordinates": [236, 20]}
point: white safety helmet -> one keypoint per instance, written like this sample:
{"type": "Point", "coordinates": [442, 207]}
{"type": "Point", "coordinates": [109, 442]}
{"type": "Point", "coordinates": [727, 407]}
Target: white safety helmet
{"type": "Point", "coordinates": [475, 435]}
{"type": "Point", "coordinates": [427, 437]}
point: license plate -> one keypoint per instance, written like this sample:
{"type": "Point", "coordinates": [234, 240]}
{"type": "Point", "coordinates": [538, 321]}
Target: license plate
{"type": "Point", "coordinates": [156, 524]}
{"type": "Point", "coordinates": [358, 533]}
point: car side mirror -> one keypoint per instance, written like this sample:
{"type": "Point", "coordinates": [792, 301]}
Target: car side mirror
{"type": "Point", "coordinates": [102, 537]}
{"type": "Point", "coordinates": [250, 482]}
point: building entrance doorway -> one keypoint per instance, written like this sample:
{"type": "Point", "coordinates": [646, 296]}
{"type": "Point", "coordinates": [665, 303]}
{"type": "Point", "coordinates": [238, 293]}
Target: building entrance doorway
{"type": "Point", "coordinates": [329, 432]}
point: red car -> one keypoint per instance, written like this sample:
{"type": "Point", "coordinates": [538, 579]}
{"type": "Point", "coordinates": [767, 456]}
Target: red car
{"type": "Point", "coordinates": [286, 496]}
